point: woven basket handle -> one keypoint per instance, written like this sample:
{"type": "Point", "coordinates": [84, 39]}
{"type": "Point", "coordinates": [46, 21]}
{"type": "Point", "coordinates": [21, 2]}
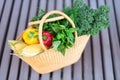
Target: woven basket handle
{"type": "Point", "coordinates": [44, 19]}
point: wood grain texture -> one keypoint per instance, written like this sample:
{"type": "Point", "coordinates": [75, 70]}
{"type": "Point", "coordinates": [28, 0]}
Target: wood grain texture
{"type": "Point", "coordinates": [13, 24]}
{"type": "Point", "coordinates": [117, 16]}
{"type": "Point", "coordinates": [5, 62]}
{"type": "Point", "coordinates": [2, 4]}
{"type": "Point", "coordinates": [100, 58]}
{"type": "Point", "coordinates": [88, 70]}
{"type": "Point", "coordinates": [77, 71]}
{"type": "Point", "coordinates": [56, 75]}
{"type": "Point", "coordinates": [4, 25]}
{"type": "Point", "coordinates": [114, 40]}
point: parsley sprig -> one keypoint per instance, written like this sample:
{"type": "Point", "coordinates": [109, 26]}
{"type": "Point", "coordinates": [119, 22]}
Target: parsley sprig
{"type": "Point", "coordinates": [63, 35]}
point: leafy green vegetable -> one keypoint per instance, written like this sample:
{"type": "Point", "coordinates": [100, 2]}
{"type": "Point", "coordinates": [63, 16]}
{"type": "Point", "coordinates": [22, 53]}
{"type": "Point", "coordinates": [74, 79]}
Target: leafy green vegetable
{"type": "Point", "coordinates": [63, 35]}
{"type": "Point", "coordinates": [88, 21]}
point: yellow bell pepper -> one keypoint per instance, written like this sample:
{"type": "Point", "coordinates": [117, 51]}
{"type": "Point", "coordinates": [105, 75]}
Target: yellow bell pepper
{"type": "Point", "coordinates": [30, 36]}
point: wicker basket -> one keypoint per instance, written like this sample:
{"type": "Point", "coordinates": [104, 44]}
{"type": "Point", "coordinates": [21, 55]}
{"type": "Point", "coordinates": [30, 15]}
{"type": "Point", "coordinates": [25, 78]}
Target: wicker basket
{"type": "Point", "coordinates": [51, 60]}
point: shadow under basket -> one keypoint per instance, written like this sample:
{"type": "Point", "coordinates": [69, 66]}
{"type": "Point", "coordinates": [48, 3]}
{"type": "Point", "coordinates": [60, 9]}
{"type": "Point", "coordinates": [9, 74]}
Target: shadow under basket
{"type": "Point", "coordinates": [51, 60]}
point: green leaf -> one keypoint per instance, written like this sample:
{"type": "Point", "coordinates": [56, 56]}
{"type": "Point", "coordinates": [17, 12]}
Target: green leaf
{"type": "Point", "coordinates": [62, 48]}
{"type": "Point", "coordinates": [61, 26]}
{"type": "Point", "coordinates": [73, 30]}
{"type": "Point", "coordinates": [60, 36]}
{"type": "Point", "coordinates": [56, 44]}
{"type": "Point", "coordinates": [41, 13]}
{"type": "Point", "coordinates": [63, 52]}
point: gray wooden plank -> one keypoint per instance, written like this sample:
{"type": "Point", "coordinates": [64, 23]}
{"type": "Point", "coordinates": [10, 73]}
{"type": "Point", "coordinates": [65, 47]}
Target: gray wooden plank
{"type": "Point", "coordinates": [33, 9]}
{"type": "Point", "coordinates": [116, 62]}
{"type": "Point", "coordinates": [88, 73]}
{"type": "Point", "coordinates": [45, 77]}
{"type": "Point", "coordinates": [86, 2]}
{"type": "Point", "coordinates": [24, 71]}
{"type": "Point", "coordinates": [43, 4]}
{"type": "Point", "coordinates": [56, 75]}
{"type": "Point", "coordinates": [15, 17]}
{"type": "Point", "coordinates": [77, 73]}
{"type": "Point", "coordinates": [51, 5]}
{"type": "Point", "coordinates": [68, 3]}
{"type": "Point", "coordinates": [93, 4]}
{"type": "Point", "coordinates": [2, 2]}
{"type": "Point", "coordinates": [13, 73]}
{"type": "Point", "coordinates": [5, 64]}
{"type": "Point", "coordinates": [98, 70]}
{"type": "Point", "coordinates": [59, 5]}
{"type": "Point", "coordinates": [34, 75]}
{"type": "Point", "coordinates": [67, 73]}
{"type": "Point", "coordinates": [4, 23]}
{"type": "Point", "coordinates": [114, 41]}
{"type": "Point", "coordinates": [117, 12]}
{"type": "Point", "coordinates": [4, 69]}
{"type": "Point", "coordinates": [108, 69]}
{"type": "Point", "coordinates": [23, 17]}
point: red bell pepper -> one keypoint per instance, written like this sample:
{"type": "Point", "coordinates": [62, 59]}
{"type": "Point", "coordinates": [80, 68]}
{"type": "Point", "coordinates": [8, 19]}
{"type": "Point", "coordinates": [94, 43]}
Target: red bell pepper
{"type": "Point", "coordinates": [47, 38]}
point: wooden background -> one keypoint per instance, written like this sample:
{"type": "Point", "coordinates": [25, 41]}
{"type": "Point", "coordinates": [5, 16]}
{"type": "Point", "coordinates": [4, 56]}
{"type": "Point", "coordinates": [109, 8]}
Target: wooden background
{"type": "Point", "coordinates": [100, 59]}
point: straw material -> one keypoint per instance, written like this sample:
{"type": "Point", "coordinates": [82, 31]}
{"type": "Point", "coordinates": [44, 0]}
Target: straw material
{"type": "Point", "coordinates": [51, 60]}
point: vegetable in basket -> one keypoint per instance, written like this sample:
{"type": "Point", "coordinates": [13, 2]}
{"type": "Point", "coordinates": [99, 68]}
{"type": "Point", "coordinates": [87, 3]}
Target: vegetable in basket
{"type": "Point", "coordinates": [47, 38]}
{"type": "Point", "coordinates": [30, 36]}
{"type": "Point", "coordinates": [88, 21]}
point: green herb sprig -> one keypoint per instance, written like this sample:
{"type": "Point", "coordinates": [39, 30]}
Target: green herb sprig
{"type": "Point", "coordinates": [63, 35]}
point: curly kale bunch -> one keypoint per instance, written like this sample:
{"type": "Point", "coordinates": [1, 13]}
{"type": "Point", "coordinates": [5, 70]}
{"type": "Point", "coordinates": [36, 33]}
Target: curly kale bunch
{"type": "Point", "coordinates": [89, 21]}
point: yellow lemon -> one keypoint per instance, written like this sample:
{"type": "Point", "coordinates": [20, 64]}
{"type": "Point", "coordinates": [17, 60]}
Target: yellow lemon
{"type": "Point", "coordinates": [30, 36]}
